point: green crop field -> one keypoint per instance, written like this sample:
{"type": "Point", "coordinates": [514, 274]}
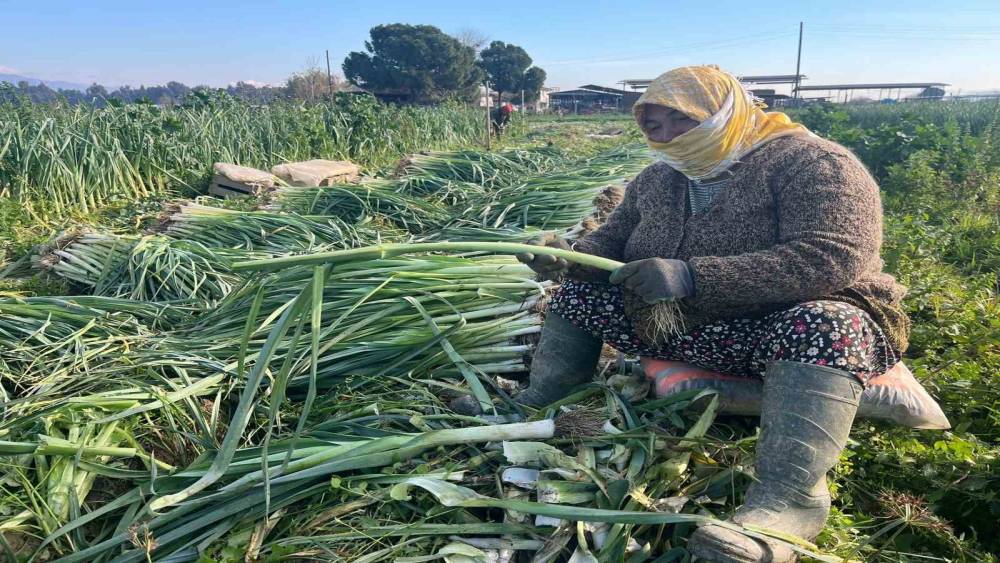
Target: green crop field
{"type": "Point", "coordinates": [168, 394]}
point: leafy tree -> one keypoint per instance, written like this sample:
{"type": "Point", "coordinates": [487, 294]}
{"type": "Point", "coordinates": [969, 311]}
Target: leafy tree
{"type": "Point", "coordinates": [176, 90]}
{"type": "Point", "coordinates": [43, 93]}
{"type": "Point", "coordinates": [534, 79]}
{"type": "Point", "coordinates": [260, 94]}
{"type": "Point", "coordinates": [95, 90]}
{"type": "Point", "coordinates": [312, 85]}
{"type": "Point", "coordinates": [509, 69]}
{"type": "Point", "coordinates": [419, 62]}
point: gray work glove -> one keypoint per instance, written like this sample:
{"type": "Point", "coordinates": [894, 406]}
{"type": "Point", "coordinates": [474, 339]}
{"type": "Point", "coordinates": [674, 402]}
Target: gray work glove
{"type": "Point", "coordinates": [549, 267]}
{"type": "Point", "coordinates": [656, 279]}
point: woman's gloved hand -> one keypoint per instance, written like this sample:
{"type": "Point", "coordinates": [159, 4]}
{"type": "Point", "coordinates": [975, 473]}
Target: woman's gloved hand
{"type": "Point", "coordinates": [656, 279]}
{"type": "Point", "coordinates": [549, 267]}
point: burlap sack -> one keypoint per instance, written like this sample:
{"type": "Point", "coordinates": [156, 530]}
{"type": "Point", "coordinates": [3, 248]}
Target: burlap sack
{"type": "Point", "coordinates": [317, 172]}
{"type": "Point", "coordinates": [896, 395]}
{"type": "Point", "coordinates": [245, 175]}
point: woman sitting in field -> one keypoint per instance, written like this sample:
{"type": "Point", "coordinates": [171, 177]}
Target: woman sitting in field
{"type": "Point", "coordinates": [762, 241]}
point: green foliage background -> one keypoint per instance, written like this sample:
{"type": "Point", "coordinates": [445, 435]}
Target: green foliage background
{"type": "Point", "coordinates": [939, 168]}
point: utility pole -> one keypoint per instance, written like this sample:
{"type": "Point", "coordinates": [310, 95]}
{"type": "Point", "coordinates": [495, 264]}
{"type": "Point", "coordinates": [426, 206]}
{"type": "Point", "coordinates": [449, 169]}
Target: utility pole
{"type": "Point", "coordinates": [489, 126]}
{"type": "Point", "coordinates": [798, 64]}
{"type": "Point", "coordinates": [329, 76]}
{"type": "Point", "coordinates": [522, 100]}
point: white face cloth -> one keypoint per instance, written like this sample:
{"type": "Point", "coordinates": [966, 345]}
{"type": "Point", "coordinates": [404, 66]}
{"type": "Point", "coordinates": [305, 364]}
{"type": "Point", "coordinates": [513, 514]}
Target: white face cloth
{"type": "Point", "coordinates": [731, 121]}
{"type": "Point", "coordinates": [708, 134]}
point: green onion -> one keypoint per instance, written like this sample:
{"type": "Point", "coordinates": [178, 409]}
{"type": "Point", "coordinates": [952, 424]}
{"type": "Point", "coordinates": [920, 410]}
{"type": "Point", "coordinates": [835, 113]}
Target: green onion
{"type": "Point", "coordinates": [262, 230]}
{"type": "Point", "coordinates": [390, 250]}
{"type": "Point", "coordinates": [148, 268]}
{"type": "Point", "coordinates": [453, 495]}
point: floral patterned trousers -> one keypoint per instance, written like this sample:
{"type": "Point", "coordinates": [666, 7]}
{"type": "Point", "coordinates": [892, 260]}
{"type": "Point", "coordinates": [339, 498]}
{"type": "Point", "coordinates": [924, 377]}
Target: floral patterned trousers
{"type": "Point", "coordinates": [829, 333]}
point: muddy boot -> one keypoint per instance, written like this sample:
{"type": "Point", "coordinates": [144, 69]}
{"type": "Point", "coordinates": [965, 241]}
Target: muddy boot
{"type": "Point", "coordinates": [566, 357]}
{"type": "Point", "coordinates": [806, 417]}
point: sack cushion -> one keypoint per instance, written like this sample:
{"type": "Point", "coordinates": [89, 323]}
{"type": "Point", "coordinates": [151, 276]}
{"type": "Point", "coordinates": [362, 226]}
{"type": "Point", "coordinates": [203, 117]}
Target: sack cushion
{"type": "Point", "coordinates": [895, 395]}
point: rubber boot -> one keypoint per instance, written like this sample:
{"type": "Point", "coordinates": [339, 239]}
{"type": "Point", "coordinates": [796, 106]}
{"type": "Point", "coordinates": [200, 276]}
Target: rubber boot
{"type": "Point", "coordinates": [566, 356]}
{"type": "Point", "coordinates": [806, 417]}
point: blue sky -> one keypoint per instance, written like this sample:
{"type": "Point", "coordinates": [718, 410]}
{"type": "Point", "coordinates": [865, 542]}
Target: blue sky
{"type": "Point", "coordinates": [219, 42]}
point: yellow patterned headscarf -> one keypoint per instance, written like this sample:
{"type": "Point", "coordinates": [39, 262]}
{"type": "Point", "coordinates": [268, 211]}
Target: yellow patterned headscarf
{"type": "Point", "coordinates": [731, 121]}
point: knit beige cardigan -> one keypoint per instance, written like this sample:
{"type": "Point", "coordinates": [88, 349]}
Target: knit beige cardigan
{"type": "Point", "coordinates": [801, 220]}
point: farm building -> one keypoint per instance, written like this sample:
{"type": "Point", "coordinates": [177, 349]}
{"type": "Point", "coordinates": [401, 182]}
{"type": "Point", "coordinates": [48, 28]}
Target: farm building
{"type": "Point", "coordinates": [589, 98]}
{"type": "Point", "coordinates": [539, 105]}
{"type": "Point", "coordinates": [868, 92]}
{"type": "Point", "coordinates": [543, 102]}
{"type": "Point", "coordinates": [770, 96]}
{"type": "Point", "coordinates": [822, 92]}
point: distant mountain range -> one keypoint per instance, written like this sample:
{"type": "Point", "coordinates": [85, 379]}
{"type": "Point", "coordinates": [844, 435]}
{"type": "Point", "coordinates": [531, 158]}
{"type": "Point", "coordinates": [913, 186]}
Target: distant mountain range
{"type": "Point", "coordinates": [54, 84]}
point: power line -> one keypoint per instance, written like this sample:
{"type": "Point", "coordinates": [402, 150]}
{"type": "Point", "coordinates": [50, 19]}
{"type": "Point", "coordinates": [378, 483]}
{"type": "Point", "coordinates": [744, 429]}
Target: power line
{"type": "Point", "coordinates": [900, 36]}
{"type": "Point", "coordinates": [910, 31]}
{"type": "Point", "coordinates": [681, 50]}
{"type": "Point", "coordinates": [884, 27]}
{"type": "Point", "coordinates": [876, 31]}
{"type": "Point", "coordinates": [678, 49]}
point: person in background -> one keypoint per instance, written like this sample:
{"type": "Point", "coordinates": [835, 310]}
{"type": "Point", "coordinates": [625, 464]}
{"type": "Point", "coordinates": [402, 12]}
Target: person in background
{"type": "Point", "coordinates": [501, 117]}
{"type": "Point", "coordinates": [751, 248]}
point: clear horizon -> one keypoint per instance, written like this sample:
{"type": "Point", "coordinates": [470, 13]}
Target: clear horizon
{"type": "Point", "coordinates": [220, 43]}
